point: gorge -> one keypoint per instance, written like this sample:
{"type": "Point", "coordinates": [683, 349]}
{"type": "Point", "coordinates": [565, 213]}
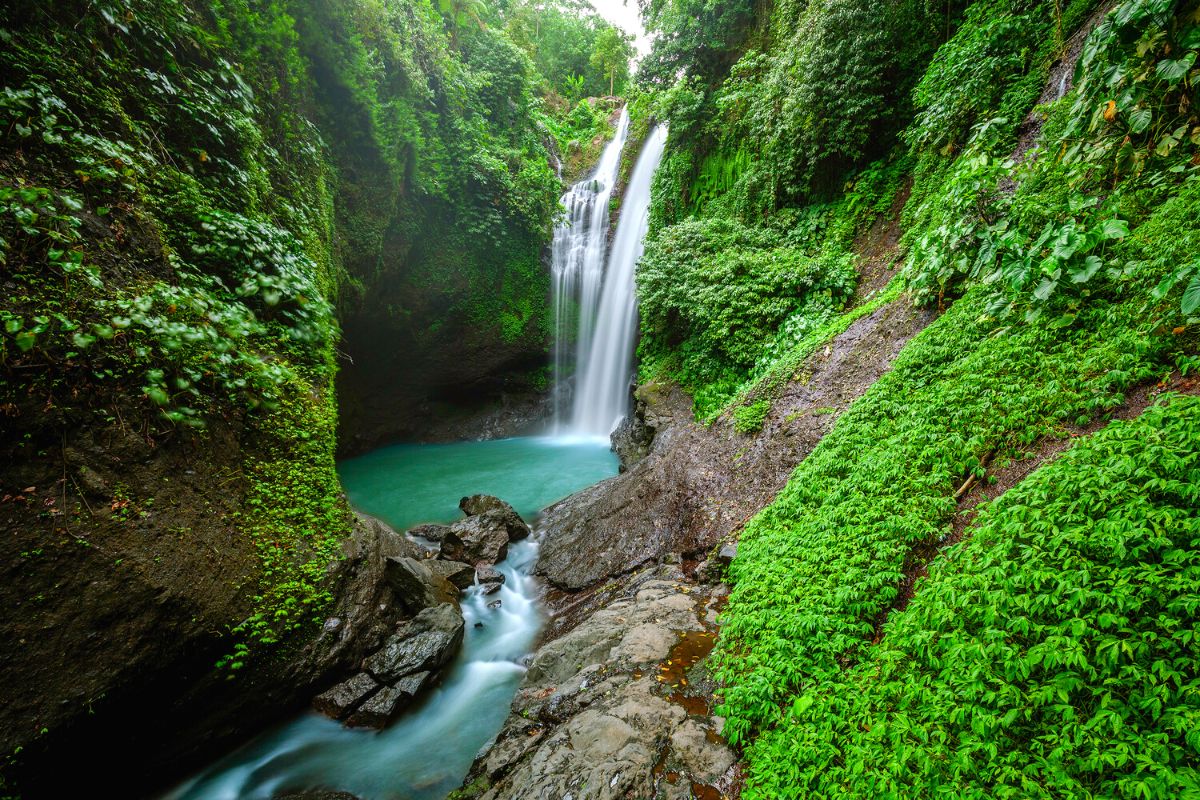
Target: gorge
{"type": "Point", "coordinates": [474, 400]}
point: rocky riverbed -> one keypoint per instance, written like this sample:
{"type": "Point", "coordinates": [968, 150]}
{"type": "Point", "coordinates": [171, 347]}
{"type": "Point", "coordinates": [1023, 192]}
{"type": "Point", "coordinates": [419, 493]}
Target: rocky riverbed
{"type": "Point", "coordinates": [620, 706]}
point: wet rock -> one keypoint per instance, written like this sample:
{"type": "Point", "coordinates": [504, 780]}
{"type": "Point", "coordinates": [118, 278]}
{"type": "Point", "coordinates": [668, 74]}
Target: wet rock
{"type": "Point", "coordinates": [396, 545]}
{"type": "Point", "coordinates": [416, 586]}
{"type": "Point", "coordinates": [489, 577]}
{"type": "Point", "coordinates": [704, 758]}
{"type": "Point", "coordinates": [601, 707]}
{"type": "Point", "coordinates": [425, 643]}
{"type": "Point", "coordinates": [434, 533]}
{"type": "Point", "coordinates": [390, 701]}
{"type": "Point", "coordinates": [476, 504]}
{"type": "Point", "coordinates": [498, 512]}
{"type": "Point", "coordinates": [475, 540]}
{"type": "Point", "coordinates": [346, 696]}
{"type": "Point", "coordinates": [460, 574]}
{"type": "Point", "coordinates": [316, 794]}
{"type": "Point", "coordinates": [632, 439]}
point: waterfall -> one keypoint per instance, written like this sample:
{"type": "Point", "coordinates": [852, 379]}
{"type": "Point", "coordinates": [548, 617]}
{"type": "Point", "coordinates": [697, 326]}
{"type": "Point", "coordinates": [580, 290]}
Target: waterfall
{"type": "Point", "coordinates": [605, 364]}
{"type": "Point", "coordinates": [577, 264]}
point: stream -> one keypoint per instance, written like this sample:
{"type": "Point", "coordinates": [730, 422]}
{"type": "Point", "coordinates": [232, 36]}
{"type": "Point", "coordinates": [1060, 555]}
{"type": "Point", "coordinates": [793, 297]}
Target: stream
{"type": "Point", "coordinates": [425, 754]}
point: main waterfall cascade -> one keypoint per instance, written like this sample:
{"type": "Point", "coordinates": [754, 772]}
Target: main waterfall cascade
{"type": "Point", "coordinates": [603, 288]}
{"type": "Point", "coordinates": [577, 262]}
{"type": "Point", "coordinates": [602, 391]}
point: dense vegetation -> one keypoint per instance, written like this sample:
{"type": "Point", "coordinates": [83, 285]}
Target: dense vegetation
{"type": "Point", "coordinates": [193, 195]}
{"type": "Point", "coordinates": [1053, 219]}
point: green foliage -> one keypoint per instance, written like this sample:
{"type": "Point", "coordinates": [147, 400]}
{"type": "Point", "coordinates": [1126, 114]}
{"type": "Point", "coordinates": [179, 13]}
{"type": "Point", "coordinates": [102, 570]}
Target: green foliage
{"type": "Point", "coordinates": [172, 248]}
{"type": "Point", "coordinates": [817, 568]}
{"type": "Point", "coordinates": [1059, 234]}
{"type": "Point", "coordinates": [1051, 654]}
{"type": "Point", "coordinates": [563, 39]}
{"type": "Point", "coordinates": [611, 55]}
{"type": "Point", "coordinates": [716, 293]}
{"type": "Point", "coordinates": [699, 38]}
{"type": "Point", "coordinates": [750, 418]}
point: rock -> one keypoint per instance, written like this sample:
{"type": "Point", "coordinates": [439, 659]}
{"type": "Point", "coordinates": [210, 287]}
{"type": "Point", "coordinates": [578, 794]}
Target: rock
{"type": "Point", "coordinates": [706, 760]}
{"type": "Point", "coordinates": [496, 510]}
{"type": "Point", "coordinates": [390, 701]}
{"type": "Point", "coordinates": [727, 553]}
{"type": "Point", "coordinates": [425, 643]}
{"type": "Point", "coordinates": [476, 504]}
{"type": "Point", "coordinates": [494, 604]}
{"type": "Point", "coordinates": [416, 586]}
{"type": "Point", "coordinates": [632, 439]}
{"type": "Point", "coordinates": [316, 794]}
{"type": "Point", "coordinates": [460, 574]}
{"type": "Point", "coordinates": [475, 540]}
{"type": "Point", "coordinates": [346, 696]}
{"type": "Point", "coordinates": [434, 533]}
{"type": "Point", "coordinates": [397, 545]}
{"type": "Point", "coordinates": [489, 575]}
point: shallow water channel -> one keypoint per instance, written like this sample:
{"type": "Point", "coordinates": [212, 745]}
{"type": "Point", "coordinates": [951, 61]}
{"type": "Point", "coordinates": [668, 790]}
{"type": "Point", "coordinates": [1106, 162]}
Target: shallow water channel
{"type": "Point", "coordinates": [426, 753]}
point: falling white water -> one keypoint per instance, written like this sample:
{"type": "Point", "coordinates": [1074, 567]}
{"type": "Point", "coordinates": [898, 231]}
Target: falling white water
{"type": "Point", "coordinates": [577, 263]}
{"type": "Point", "coordinates": [605, 363]}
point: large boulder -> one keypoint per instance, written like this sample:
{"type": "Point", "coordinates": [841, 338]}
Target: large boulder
{"type": "Point", "coordinates": [434, 533]}
{"type": "Point", "coordinates": [416, 586]}
{"type": "Point", "coordinates": [346, 696]}
{"type": "Point", "coordinates": [475, 540]}
{"type": "Point", "coordinates": [425, 643]}
{"type": "Point", "coordinates": [496, 510]}
{"type": "Point", "coordinates": [390, 701]}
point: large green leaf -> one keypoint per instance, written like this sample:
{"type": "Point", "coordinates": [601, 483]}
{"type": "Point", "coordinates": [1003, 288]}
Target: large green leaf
{"type": "Point", "coordinates": [1172, 70]}
{"type": "Point", "coordinates": [1140, 119]}
{"type": "Point", "coordinates": [1191, 295]}
{"type": "Point", "coordinates": [1114, 229]}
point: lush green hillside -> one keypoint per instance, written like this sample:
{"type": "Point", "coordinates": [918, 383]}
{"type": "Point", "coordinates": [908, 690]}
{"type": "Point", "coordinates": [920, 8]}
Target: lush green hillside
{"type": "Point", "coordinates": [1053, 218]}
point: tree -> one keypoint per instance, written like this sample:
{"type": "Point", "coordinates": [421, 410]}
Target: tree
{"type": "Point", "coordinates": [612, 53]}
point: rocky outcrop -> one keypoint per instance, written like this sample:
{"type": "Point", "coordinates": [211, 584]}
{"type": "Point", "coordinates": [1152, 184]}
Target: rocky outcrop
{"type": "Point", "coordinates": [416, 585]}
{"type": "Point", "coordinates": [617, 701]}
{"type": "Point", "coordinates": [412, 659]}
{"type": "Point", "coordinates": [618, 707]}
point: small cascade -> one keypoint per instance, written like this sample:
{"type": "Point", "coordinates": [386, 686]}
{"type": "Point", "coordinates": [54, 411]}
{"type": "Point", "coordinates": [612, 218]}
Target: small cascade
{"type": "Point", "coordinates": [605, 364]}
{"type": "Point", "coordinates": [577, 264]}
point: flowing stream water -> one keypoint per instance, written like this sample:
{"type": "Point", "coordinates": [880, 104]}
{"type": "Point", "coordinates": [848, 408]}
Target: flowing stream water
{"type": "Point", "coordinates": [426, 753]}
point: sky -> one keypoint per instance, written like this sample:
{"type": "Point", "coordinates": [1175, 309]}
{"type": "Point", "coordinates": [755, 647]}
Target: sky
{"type": "Point", "coordinates": [624, 14]}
